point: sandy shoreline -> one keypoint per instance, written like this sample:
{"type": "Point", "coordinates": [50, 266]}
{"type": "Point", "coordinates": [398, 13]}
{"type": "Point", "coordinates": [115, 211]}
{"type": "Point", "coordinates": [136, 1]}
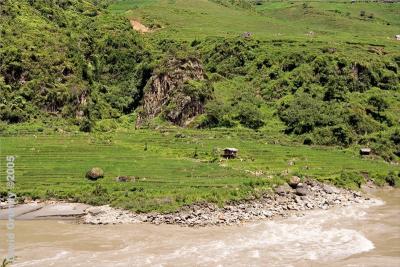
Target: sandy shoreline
{"type": "Point", "coordinates": [286, 201]}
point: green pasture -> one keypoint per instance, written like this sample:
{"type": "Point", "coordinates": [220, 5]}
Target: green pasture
{"type": "Point", "coordinates": [326, 21]}
{"type": "Point", "coordinates": [174, 167]}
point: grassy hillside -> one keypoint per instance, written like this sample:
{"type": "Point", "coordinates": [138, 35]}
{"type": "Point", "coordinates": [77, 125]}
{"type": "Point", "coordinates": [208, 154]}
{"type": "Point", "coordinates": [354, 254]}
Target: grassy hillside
{"type": "Point", "coordinates": [328, 58]}
{"type": "Point", "coordinates": [294, 20]}
{"type": "Point", "coordinates": [70, 60]}
{"type": "Point", "coordinates": [311, 82]}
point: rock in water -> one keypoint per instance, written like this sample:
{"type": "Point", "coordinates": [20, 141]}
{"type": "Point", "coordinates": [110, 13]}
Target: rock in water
{"type": "Point", "coordinates": [294, 181]}
{"type": "Point", "coordinates": [95, 173]}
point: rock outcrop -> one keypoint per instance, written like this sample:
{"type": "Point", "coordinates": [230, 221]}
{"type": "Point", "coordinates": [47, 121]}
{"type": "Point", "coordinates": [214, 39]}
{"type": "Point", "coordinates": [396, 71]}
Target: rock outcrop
{"type": "Point", "coordinates": [177, 91]}
{"type": "Point", "coordinates": [45, 210]}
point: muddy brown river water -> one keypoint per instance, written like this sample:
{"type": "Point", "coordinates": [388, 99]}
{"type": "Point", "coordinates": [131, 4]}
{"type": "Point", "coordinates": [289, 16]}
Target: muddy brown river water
{"type": "Point", "coordinates": [352, 236]}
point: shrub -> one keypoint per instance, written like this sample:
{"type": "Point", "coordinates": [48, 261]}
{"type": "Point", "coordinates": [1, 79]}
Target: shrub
{"type": "Point", "coordinates": [86, 125]}
{"type": "Point", "coordinates": [3, 126]}
{"type": "Point", "coordinates": [361, 123]}
{"type": "Point", "coordinates": [378, 102]}
{"type": "Point", "coordinates": [392, 179]}
{"type": "Point", "coordinates": [105, 125]}
{"type": "Point", "coordinates": [217, 115]}
{"type": "Point", "coordinates": [395, 137]}
{"type": "Point", "coordinates": [276, 89]}
{"type": "Point", "coordinates": [99, 190]}
{"type": "Point", "coordinates": [350, 180]}
{"type": "Point", "coordinates": [250, 116]}
{"type": "Point", "coordinates": [303, 113]}
{"type": "Point", "coordinates": [308, 141]}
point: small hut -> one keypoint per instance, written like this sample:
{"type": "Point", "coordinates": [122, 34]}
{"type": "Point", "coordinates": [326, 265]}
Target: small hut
{"type": "Point", "coordinates": [365, 151]}
{"type": "Point", "coordinates": [230, 153]}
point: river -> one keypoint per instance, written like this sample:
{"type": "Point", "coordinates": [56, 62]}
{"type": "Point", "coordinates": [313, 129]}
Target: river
{"type": "Point", "coordinates": [352, 236]}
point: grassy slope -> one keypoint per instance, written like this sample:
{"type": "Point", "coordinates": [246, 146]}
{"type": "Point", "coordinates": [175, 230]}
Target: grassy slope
{"type": "Point", "coordinates": [190, 19]}
{"type": "Point", "coordinates": [341, 21]}
{"type": "Point", "coordinates": [54, 166]}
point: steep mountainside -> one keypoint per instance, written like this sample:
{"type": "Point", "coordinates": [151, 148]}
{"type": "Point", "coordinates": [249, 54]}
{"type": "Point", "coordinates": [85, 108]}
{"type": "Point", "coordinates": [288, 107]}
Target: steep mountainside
{"type": "Point", "coordinates": [318, 72]}
{"type": "Point", "coordinates": [68, 59]}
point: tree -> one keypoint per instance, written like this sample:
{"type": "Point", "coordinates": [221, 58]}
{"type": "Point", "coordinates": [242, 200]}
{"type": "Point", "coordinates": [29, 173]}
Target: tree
{"type": "Point", "coordinates": [378, 102]}
{"type": "Point", "coordinates": [250, 116]}
{"type": "Point", "coordinates": [217, 115]}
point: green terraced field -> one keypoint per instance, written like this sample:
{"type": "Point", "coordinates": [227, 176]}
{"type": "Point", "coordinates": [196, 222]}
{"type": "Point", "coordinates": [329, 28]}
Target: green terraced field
{"type": "Point", "coordinates": [171, 175]}
{"type": "Point", "coordinates": [328, 21]}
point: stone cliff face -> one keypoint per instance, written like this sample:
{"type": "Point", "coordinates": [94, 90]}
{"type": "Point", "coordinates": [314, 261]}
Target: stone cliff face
{"type": "Point", "coordinates": [178, 92]}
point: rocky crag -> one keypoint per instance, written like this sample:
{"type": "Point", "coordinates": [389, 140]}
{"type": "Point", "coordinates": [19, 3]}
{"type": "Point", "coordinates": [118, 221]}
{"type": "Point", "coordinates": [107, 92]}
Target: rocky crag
{"type": "Point", "coordinates": [177, 91]}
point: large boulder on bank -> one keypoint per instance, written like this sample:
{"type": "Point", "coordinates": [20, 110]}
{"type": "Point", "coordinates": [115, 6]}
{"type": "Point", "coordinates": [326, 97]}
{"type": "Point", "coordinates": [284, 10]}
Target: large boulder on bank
{"type": "Point", "coordinates": [330, 189]}
{"type": "Point", "coordinates": [95, 174]}
{"type": "Point", "coordinates": [294, 181]}
{"type": "Point", "coordinates": [302, 191]}
{"type": "Point", "coordinates": [283, 190]}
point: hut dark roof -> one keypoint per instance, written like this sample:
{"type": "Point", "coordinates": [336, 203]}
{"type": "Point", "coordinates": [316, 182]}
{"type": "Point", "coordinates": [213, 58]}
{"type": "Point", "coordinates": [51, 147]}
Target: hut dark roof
{"type": "Point", "coordinates": [365, 151]}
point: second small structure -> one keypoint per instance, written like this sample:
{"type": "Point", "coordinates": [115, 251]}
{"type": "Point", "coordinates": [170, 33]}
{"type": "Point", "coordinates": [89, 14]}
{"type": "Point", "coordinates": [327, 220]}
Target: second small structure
{"type": "Point", "coordinates": [230, 153]}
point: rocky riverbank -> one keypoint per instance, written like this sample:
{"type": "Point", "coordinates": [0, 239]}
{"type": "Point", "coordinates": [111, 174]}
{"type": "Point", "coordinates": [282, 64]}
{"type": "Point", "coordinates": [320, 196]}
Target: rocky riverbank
{"type": "Point", "coordinates": [285, 201]}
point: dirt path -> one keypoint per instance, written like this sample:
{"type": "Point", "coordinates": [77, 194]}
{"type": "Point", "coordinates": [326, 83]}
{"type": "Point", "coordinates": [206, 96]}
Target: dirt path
{"type": "Point", "coordinates": [139, 27]}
